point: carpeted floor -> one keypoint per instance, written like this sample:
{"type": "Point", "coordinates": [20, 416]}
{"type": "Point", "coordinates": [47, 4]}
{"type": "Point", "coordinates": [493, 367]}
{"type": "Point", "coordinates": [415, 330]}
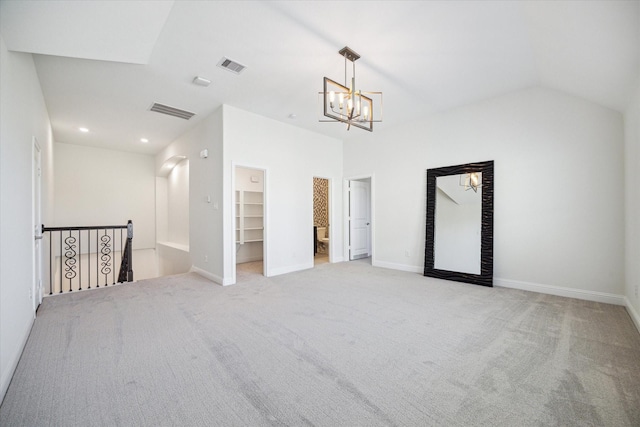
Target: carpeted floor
{"type": "Point", "coordinates": [340, 345]}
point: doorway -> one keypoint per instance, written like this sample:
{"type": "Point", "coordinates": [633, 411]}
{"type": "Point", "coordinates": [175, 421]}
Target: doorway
{"type": "Point", "coordinates": [249, 222]}
{"type": "Point", "coordinates": [36, 290]}
{"type": "Point", "coordinates": [321, 224]}
{"type": "Point", "coordinates": [359, 218]}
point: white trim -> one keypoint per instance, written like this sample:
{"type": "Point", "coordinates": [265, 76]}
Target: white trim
{"type": "Point", "coordinates": [108, 286]}
{"type": "Point", "coordinates": [332, 240]}
{"type": "Point", "coordinates": [265, 221]}
{"type": "Point", "coordinates": [290, 269]}
{"type": "Point", "coordinates": [561, 291]}
{"type": "Point", "coordinates": [36, 186]}
{"type": "Point", "coordinates": [13, 363]}
{"type": "Point", "coordinates": [394, 266]}
{"type": "Point", "coordinates": [632, 313]}
{"type": "Point", "coordinates": [214, 278]}
{"type": "Point", "coordinates": [372, 210]}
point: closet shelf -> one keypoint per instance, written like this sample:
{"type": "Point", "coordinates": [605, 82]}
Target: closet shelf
{"type": "Point", "coordinates": [249, 216]}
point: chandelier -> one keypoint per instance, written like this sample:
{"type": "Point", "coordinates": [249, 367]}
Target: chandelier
{"type": "Point", "coordinates": [471, 181]}
{"type": "Point", "coordinates": [343, 103]}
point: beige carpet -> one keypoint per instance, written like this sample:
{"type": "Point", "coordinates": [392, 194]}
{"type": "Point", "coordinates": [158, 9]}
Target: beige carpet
{"type": "Point", "coordinates": [249, 270]}
{"type": "Point", "coordinates": [338, 345]}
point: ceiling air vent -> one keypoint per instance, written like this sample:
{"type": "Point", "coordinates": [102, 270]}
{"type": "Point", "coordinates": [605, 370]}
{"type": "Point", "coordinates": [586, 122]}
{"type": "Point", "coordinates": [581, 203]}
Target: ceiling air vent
{"type": "Point", "coordinates": [230, 65]}
{"type": "Point", "coordinates": [171, 111]}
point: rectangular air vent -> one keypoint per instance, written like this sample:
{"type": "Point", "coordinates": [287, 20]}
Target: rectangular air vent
{"type": "Point", "coordinates": [230, 65]}
{"type": "Point", "coordinates": [171, 111]}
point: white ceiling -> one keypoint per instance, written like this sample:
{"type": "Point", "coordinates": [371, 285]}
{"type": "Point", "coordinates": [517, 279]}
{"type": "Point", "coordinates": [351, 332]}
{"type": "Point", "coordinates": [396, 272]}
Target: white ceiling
{"type": "Point", "coordinates": [103, 63]}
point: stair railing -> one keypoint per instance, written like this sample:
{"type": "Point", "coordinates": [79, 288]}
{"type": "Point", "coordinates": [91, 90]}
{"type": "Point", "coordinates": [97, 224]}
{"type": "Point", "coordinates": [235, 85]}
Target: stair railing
{"type": "Point", "coordinates": [82, 257]}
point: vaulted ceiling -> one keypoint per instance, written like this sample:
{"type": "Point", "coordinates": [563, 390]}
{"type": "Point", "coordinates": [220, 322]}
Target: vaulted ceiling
{"type": "Point", "coordinates": [102, 64]}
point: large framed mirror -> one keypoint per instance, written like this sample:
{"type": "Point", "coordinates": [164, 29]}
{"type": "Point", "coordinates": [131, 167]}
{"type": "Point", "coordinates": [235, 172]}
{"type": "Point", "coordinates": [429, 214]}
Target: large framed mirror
{"type": "Point", "coordinates": [459, 234]}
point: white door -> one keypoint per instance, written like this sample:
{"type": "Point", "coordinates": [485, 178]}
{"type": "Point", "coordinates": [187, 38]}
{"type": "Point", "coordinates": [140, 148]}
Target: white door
{"type": "Point", "coordinates": [36, 292]}
{"type": "Point", "coordinates": [360, 219]}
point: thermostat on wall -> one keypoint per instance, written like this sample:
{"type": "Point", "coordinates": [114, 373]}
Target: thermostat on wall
{"type": "Point", "coordinates": [204, 154]}
{"type": "Point", "coordinates": [254, 178]}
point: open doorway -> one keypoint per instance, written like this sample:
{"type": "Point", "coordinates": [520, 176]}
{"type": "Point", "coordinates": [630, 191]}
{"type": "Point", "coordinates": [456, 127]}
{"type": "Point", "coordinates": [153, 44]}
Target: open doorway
{"type": "Point", "coordinates": [249, 222]}
{"type": "Point", "coordinates": [36, 292]}
{"type": "Point", "coordinates": [321, 230]}
{"type": "Point", "coordinates": [359, 218]}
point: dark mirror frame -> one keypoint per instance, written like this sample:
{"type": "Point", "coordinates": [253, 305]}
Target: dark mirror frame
{"type": "Point", "coordinates": [485, 278]}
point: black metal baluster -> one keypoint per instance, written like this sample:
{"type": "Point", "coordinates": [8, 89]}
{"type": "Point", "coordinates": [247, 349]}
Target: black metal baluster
{"type": "Point", "coordinates": [61, 268]}
{"type": "Point", "coordinates": [106, 256]}
{"type": "Point", "coordinates": [121, 255]}
{"type": "Point", "coordinates": [50, 264]}
{"type": "Point", "coordinates": [80, 261]}
{"type": "Point", "coordinates": [69, 260]}
{"type": "Point", "coordinates": [89, 258]}
{"type": "Point", "coordinates": [113, 271]}
{"type": "Point", "coordinates": [97, 262]}
{"type": "Point", "coordinates": [102, 249]}
{"type": "Point", "coordinates": [130, 251]}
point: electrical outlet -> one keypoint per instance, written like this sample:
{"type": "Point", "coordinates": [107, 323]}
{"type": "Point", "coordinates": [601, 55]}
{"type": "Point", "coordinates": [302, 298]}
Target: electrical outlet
{"type": "Point", "coordinates": [206, 258]}
{"type": "Point", "coordinates": [407, 253]}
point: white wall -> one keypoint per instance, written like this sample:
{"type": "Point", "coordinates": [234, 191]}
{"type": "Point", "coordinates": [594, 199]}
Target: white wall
{"type": "Point", "coordinates": [23, 114]}
{"type": "Point", "coordinates": [94, 186]}
{"type": "Point", "coordinates": [178, 203]}
{"type": "Point", "coordinates": [632, 199]}
{"type": "Point", "coordinates": [172, 220]}
{"type": "Point", "coordinates": [162, 209]}
{"type": "Point", "coordinates": [558, 186]}
{"type": "Point", "coordinates": [291, 157]}
{"type": "Point", "coordinates": [205, 179]}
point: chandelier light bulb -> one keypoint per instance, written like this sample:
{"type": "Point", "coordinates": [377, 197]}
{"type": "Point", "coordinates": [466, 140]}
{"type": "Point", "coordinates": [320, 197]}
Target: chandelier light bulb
{"type": "Point", "coordinates": [332, 98]}
{"type": "Point", "coordinates": [474, 179]}
{"type": "Point", "coordinates": [341, 100]}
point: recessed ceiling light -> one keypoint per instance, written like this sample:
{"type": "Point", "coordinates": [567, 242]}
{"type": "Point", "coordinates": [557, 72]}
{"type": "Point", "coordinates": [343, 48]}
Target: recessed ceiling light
{"type": "Point", "coordinates": [145, 140]}
{"type": "Point", "coordinates": [85, 130]}
{"type": "Point", "coordinates": [293, 116]}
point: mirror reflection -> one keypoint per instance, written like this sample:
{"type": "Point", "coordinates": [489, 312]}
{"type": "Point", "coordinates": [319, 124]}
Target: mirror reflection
{"type": "Point", "coordinates": [458, 223]}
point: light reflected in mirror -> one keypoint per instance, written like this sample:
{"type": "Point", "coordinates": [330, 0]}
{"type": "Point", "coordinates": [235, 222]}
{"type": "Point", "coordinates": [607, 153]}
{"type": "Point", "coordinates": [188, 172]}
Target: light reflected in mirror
{"type": "Point", "coordinates": [458, 223]}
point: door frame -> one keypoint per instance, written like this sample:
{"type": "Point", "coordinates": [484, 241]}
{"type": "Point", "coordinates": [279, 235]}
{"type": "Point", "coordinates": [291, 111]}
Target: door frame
{"type": "Point", "coordinates": [329, 213]}
{"type": "Point", "coordinates": [265, 198]}
{"type": "Point", "coordinates": [347, 237]}
{"type": "Point", "coordinates": [36, 220]}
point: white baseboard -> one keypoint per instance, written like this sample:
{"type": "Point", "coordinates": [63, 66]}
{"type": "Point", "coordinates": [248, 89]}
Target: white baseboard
{"type": "Point", "coordinates": [632, 313]}
{"type": "Point", "coordinates": [13, 363]}
{"type": "Point", "coordinates": [561, 291]}
{"type": "Point", "coordinates": [394, 266]}
{"type": "Point", "coordinates": [289, 269]}
{"type": "Point", "coordinates": [213, 277]}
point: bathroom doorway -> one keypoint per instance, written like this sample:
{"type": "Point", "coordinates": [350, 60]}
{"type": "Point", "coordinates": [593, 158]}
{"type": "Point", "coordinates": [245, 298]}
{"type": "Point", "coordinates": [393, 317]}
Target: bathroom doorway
{"type": "Point", "coordinates": [321, 224]}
